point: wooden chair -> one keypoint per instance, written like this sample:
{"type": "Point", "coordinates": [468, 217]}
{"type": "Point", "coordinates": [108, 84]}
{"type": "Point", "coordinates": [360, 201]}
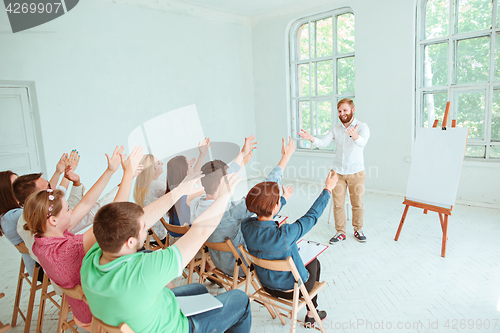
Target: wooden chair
{"type": "Point", "coordinates": [46, 295]}
{"type": "Point", "coordinates": [194, 264]}
{"type": "Point", "coordinates": [160, 245]}
{"type": "Point", "coordinates": [64, 324]}
{"type": "Point", "coordinates": [291, 307]}
{"type": "Point", "coordinates": [105, 328]}
{"type": "Point", "coordinates": [227, 281]}
{"type": "Point", "coordinates": [4, 328]}
{"type": "Point", "coordinates": [34, 286]}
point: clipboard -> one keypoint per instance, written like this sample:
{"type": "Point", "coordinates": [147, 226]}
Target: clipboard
{"type": "Point", "coordinates": [193, 305]}
{"type": "Point", "coordinates": [280, 219]}
{"type": "Point", "coordinates": [309, 250]}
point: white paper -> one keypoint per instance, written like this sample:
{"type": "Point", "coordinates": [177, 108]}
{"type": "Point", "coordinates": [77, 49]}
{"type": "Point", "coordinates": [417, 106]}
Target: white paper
{"type": "Point", "coordinates": [436, 166]}
{"type": "Point", "coordinates": [308, 250]}
{"type": "Point", "coordinates": [192, 305]}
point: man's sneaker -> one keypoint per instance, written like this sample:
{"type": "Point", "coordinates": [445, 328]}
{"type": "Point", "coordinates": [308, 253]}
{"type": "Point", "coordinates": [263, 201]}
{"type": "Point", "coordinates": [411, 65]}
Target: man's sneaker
{"type": "Point", "coordinates": [337, 238]}
{"type": "Point", "coordinates": [360, 236]}
{"type": "Point", "coordinates": [310, 321]}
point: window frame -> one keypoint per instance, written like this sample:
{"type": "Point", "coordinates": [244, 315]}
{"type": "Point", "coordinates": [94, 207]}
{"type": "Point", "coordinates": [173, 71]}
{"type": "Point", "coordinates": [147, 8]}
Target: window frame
{"type": "Point", "coordinates": [293, 85]}
{"type": "Point", "coordinates": [452, 88]}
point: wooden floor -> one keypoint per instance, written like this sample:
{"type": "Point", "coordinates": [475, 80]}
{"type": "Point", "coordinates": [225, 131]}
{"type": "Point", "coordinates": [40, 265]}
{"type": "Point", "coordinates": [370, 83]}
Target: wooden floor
{"type": "Point", "coordinates": [380, 285]}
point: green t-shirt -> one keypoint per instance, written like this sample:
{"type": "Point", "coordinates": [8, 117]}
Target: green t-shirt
{"type": "Point", "coordinates": [131, 289]}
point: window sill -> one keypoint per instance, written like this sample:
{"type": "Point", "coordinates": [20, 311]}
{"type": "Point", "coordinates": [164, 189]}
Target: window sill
{"type": "Point", "coordinates": [472, 162]}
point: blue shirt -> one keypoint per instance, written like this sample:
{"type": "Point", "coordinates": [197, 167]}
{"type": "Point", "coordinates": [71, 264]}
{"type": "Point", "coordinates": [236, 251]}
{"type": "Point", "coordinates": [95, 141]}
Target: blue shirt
{"type": "Point", "coordinates": [9, 227]}
{"type": "Point", "coordinates": [265, 240]}
{"type": "Point", "coordinates": [229, 226]}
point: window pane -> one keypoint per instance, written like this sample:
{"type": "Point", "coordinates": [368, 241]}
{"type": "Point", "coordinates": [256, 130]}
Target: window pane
{"type": "Point", "coordinates": [436, 18]}
{"type": "Point", "coordinates": [475, 151]}
{"type": "Point", "coordinates": [474, 15]}
{"type": "Point", "coordinates": [325, 77]}
{"type": "Point", "coordinates": [498, 16]}
{"type": "Point", "coordinates": [494, 151]}
{"type": "Point", "coordinates": [497, 57]}
{"type": "Point", "coordinates": [436, 65]}
{"type": "Point", "coordinates": [303, 41]}
{"type": "Point", "coordinates": [324, 37]}
{"type": "Point", "coordinates": [304, 122]}
{"type": "Point", "coordinates": [471, 113]}
{"type": "Point", "coordinates": [495, 116]}
{"type": "Point", "coordinates": [324, 116]}
{"type": "Point", "coordinates": [345, 33]}
{"type": "Point", "coordinates": [345, 75]}
{"type": "Point", "coordinates": [434, 106]}
{"type": "Point", "coordinates": [473, 59]}
{"type": "Point", "coordinates": [303, 78]}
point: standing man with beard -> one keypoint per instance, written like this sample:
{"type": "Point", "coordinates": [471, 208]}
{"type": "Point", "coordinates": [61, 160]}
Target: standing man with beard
{"type": "Point", "coordinates": [350, 137]}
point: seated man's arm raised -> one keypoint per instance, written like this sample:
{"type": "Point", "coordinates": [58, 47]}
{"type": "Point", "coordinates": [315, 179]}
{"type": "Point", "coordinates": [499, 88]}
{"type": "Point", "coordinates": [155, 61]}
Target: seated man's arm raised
{"type": "Point", "coordinates": [205, 224]}
{"type": "Point", "coordinates": [155, 210]}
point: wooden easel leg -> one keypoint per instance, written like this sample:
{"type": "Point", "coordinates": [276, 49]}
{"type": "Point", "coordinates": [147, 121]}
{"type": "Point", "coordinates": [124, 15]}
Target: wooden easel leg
{"type": "Point", "coordinates": [445, 236]}
{"type": "Point", "coordinates": [401, 223]}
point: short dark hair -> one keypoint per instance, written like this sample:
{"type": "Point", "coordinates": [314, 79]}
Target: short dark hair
{"type": "Point", "coordinates": [7, 199]}
{"type": "Point", "coordinates": [115, 223]}
{"type": "Point", "coordinates": [262, 198]}
{"type": "Point", "coordinates": [213, 172]}
{"type": "Point", "coordinates": [24, 186]}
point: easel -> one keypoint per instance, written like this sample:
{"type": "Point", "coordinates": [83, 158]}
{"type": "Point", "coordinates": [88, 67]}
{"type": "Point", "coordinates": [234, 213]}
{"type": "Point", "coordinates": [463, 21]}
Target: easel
{"type": "Point", "coordinates": [443, 212]}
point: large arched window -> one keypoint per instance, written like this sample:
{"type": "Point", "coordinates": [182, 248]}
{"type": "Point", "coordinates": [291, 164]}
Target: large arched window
{"type": "Point", "coordinates": [321, 70]}
{"type": "Point", "coordinates": [458, 60]}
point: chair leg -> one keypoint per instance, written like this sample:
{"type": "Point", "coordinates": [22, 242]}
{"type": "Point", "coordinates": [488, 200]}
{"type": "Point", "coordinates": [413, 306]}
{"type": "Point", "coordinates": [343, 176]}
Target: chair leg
{"type": "Point", "coordinates": [191, 270]}
{"type": "Point", "coordinates": [31, 303]}
{"type": "Point", "coordinates": [268, 307]}
{"type": "Point", "coordinates": [306, 296]}
{"type": "Point", "coordinates": [19, 289]}
{"type": "Point", "coordinates": [41, 309]}
{"type": "Point", "coordinates": [63, 314]}
{"type": "Point", "coordinates": [293, 320]}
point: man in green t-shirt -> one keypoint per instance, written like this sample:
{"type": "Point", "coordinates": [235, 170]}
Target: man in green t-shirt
{"type": "Point", "coordinates": [123, 285]}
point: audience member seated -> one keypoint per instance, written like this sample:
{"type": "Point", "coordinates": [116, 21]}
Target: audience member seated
{"type": "Point", "coordinates": [266, 240]}
{"type": "Point", "coordinates": [236, 211]}
{"type": "Point", "coordinates": [10, 210]}
{"type": "Point", "coordinates": [124, 285]}
{"type": "Point", "coordinates": [177, 169]}
{"type": "Point", "coordinates": [26, 185]}
{"type": "Point", "coordinates": [59, 251]}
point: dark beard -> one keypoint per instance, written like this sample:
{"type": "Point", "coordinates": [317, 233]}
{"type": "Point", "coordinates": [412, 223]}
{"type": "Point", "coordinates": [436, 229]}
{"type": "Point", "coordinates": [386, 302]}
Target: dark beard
{"type": "Point", "coordinates": [347, 118]}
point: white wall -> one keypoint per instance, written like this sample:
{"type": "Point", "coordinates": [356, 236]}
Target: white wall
{"type": "Point", "coordinates": [385, 66]}
{"type": "Point", "coordinates": [104, 68]}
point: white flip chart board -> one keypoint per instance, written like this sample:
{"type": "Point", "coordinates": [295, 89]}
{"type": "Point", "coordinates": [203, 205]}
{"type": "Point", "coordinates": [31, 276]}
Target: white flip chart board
{"type": "Point", "coordinates": [436, 165]}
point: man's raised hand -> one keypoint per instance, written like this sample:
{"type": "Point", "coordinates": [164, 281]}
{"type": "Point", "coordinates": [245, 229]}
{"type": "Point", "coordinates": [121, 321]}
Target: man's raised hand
{"type": "Point", "coordinates": [305, 135]}
{"type": "Point", "coordinates": [115, 160]}
{"type": "Point", "coordinates": [228, 184]}
{"type": "Point", "coordinates": [249, 145]}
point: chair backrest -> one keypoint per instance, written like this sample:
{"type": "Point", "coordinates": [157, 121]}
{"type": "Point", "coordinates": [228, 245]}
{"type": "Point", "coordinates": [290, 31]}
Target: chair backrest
{"type": "Point", "coordinates": [178, 229]}
{"type": "Point", "coordinates": [75, 293]}
{"type": "Point", "coordinates": [227, 246]}
{"type": "Point", "coordinates": [105, 328]}
{"type": "Point", "coordinates": [273, 265]}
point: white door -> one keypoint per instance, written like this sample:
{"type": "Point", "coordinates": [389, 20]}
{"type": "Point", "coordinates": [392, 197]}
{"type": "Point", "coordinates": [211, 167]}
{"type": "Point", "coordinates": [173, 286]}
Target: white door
{"type": "Point", "coordinates": [18, 149]}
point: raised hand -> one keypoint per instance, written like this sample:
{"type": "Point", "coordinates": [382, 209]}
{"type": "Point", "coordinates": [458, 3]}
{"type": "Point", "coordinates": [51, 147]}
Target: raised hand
{"type": "Point", "coordinates": [139, 169]}
{"type": "Point", "coordinates": [352, 132]}
{"type": "Point", "coordinates": [287, 192]}
{"type": "Point", "coordinates": [289, 149]}
{"type": "Point", "coordinates": [73, 159]}
{"type": "Point", "coordinates": [204, 146]}
{"type": "Point", "coordinates": [228, 184]}
{"type": "Point", "coordinates": [61, 165]}
{"type": "Point", "coordinates": [249, 145]}
{"type": "Point", "coordinates": [305, 135]}
{"type": "Point", "coordinates": [70, 175]}
{"type": "Point", "coordinates": [186, 187]}
{"type": "Point", "coordinates": [331, 180]}
{"type": "Point", "coordinates": [247, 158]}
{"type": "Point", "coordinates": [132, 162]}
{"type": "Point", "coordinates": [115, 160]}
